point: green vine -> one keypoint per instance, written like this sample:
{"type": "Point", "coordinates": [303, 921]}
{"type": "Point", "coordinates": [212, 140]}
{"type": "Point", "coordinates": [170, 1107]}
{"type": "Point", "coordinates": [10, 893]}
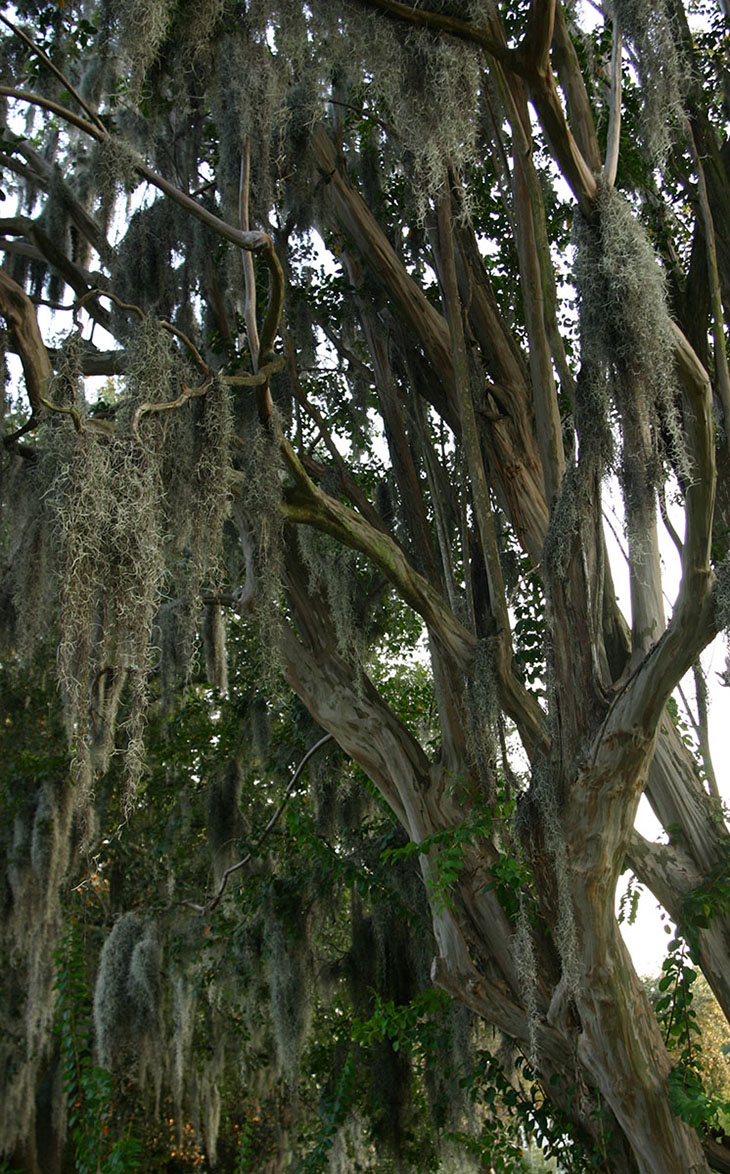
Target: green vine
{"type": "Point", "coordinates": [89, 1090]}
{"type": "Point", "coordinates": [689, 1097]}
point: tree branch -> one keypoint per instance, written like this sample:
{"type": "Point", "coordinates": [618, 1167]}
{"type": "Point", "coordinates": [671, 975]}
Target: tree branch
{"type": "Point", "coordinates": [610, 167]}
{"type": "Point", "coordinates": [211, 904]}
{"type": "Point", "coordinates": [22, 323]}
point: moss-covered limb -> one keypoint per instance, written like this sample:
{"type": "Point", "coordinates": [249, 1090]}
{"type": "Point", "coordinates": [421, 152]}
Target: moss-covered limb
{"type": "Point", "coordinates": [56, 108]}
{"type": "Point", "coordinates": [22, 323]}
{"type": "Point", "coordinates": [443, 23]}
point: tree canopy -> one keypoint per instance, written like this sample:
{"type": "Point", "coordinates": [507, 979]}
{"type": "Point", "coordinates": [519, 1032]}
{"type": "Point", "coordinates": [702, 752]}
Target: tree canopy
{"type": "Point", "coordinates": [325, 730]}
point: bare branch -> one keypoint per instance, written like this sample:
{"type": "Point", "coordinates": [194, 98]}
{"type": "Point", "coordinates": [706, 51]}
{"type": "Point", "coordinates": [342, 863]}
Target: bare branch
{"type": "Point", "coordinates": [610, 167]}
{"type": "Point", "coordinates": [211, 904]}
{"type": "Point", "coordinates": [148, 408]}
{"type": "Point", "coordinates": [63, 112]}
{"type": "Point", "coordinates": [249, 273]}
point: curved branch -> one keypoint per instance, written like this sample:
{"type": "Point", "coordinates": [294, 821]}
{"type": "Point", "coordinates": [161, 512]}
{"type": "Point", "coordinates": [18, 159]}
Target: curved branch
{"type": "Point", "coordinates": [169, 406]}
{"type": "Point", "coordinates": [249, 273]}
{"type": "Point", "coordinates": [638, 709]}
{"type": "Point", "coordinates": [64, 410]}
{"type": "Point", "coordinates": [257, 380]}
{"type": "Point", "coordinates": [55, 108]}
{"type": "Point", "coordinates": [17, 309]}
{"type": "Point", "coordinates": [211, 904]}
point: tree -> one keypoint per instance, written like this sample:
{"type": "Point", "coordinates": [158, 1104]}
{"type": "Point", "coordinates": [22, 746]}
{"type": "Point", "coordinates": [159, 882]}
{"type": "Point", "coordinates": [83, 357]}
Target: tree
{"type": "Point", "coordinates": [525, 225]}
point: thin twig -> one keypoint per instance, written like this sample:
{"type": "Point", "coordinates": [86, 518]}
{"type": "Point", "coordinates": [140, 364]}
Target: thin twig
{"type": "Point", "coordinates": [188, 342]}
{"type": "Point", "coordinates": [258, 379]}
{"type": "Point", "coordinates": [211, 904]}
{"type": "Point", "coordinates": [64, 410]}
{"type": "Point", "coordinates": [80, 303]}
{"type": "Point", "coordinates": [148, 408]}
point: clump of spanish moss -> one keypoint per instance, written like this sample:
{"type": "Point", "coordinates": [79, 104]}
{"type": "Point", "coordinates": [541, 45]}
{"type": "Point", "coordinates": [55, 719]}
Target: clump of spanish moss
{"type": "Point", "coordinates": [332, 570]}
{"type": "Point", "coordinates": [258, 512]}
{"type": "Point", "coordinates": [649, 26]}
{"type": "Point", "coordinates": [105, 500]}
{"type": "Point", "coordinates": [248, 93]}
{"type": "Point", "coordinates": [127, 996]}
{"type": "Point", "coordinates": [626, 349]}
{"type": "Point", "coordinates": [223, 816]}
{"type": "Point", "coordinates": [440, 76]}
{"type": "Point", "coordinates": [35, 845]}
{"type": "Point", "coordinates": [184, 1004]}
{"type": "Point", "coordinates": [523, 953]}
{"type": "Point", "coordinates": [112, 166]}
{"type": "Point", "coordinates": [210, 494]}
{"type": "Point", "coordinates": [142, 26]}
{"type": "Point", "coordinates": [290, 981]}
{"type": "Point", "coordinates": [30, 608]}
{"type": "Point", "coordinates": [112, 513]}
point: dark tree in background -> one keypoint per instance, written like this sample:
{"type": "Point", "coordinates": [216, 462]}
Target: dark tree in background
{"type": "Point", "coordinates": [378, 297]}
